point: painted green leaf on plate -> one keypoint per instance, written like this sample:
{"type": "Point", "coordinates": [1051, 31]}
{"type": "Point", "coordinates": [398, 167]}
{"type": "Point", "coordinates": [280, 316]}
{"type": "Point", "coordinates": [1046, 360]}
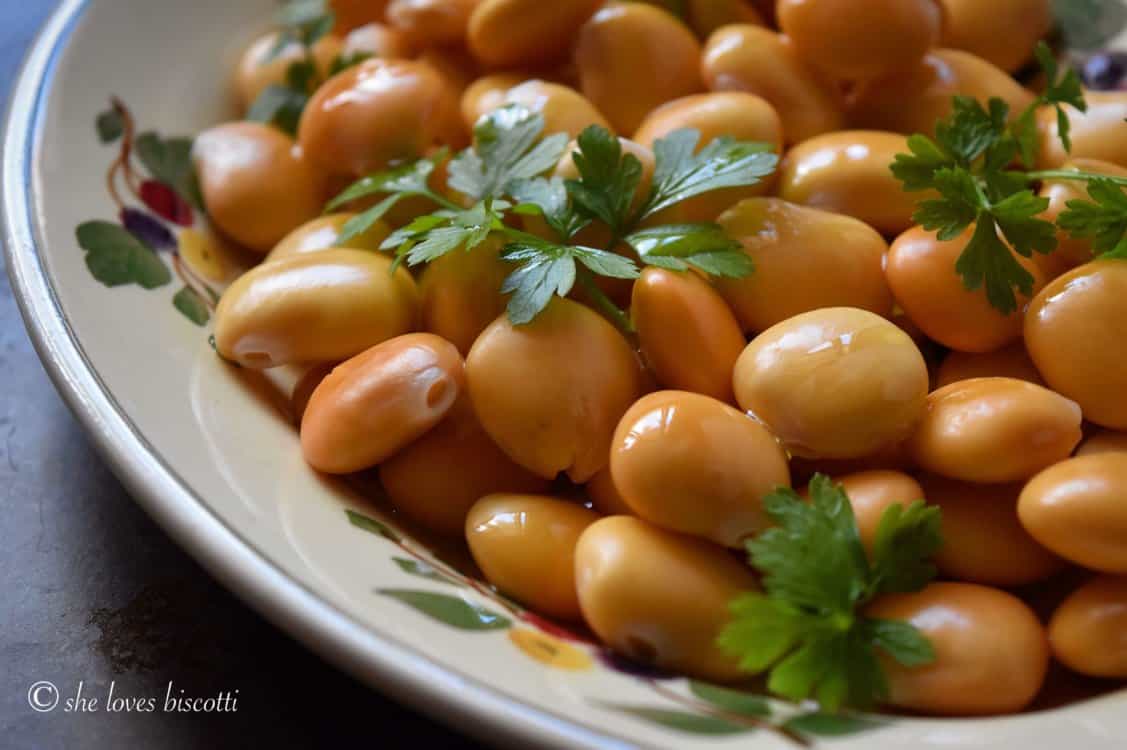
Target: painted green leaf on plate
{"type": "Point", "coordinates": [832, 725]}
{"type": "Point", "coordinates": [110, 126]}
{"type": "Point", "coordinates": [731, 701]}
{"type": "Point", "coordinates": [421, 569]}
{"type": "Point", "coordinates": [681, 721]}
{"type": "Point", "coordinates": [188, 302]}
{"type": "Point", "coordinates": [116, 257]}
{"type": "Point", "coordinates": [450, 610]}
{"type": "Point", "coordinates": [169, 160]}
{"type": "Point", "coordinates": [371, 525]}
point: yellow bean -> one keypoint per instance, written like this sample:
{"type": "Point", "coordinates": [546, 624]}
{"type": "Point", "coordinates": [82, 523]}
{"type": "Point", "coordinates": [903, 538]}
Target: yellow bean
{"type": "Point", "coordinates": [805, 259]}
{"type": "Point", "coordinates": [257, 186]}
{"type": "Point", "coordinates": [847, 173]}
{"type": "Point", "coordinates": [376, 403]}
{"type": "Point", "coordinates": [995, 430]}
{"type": "Point", "coordinates": [991, 653]}
{"type": "Point", "coordinates": [762, 62]}
{"type": "Point", "coordinates": [686, 331]}
{"type": "Point", "coordinates": [318, 307]}
{"type": "Point", "coordinates": [1087, 629]}
{"type": "Point", "coordinates": [525, 546]}
{"type": "Point", "coordinates": [435, 480]}
{"type": "Point", "coordinates": [690, 463]}
{"type": "Point", "coordinates": [1073, 333]}
{"type": "Point", "coordinates": [834, 383]}
{"type": "Point", "coordinates": [633, 57]}
{"type": "Point", "coordinates": [1076, 509]}
{"type": "Point", "coordinates": [658, 597]}
{"type": "Point", "coordinates": [551, 392]}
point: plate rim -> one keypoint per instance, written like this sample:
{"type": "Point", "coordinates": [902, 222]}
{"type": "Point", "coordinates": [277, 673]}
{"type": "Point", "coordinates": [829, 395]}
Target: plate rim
{"type": "Point", "coordinates": [376, 660]}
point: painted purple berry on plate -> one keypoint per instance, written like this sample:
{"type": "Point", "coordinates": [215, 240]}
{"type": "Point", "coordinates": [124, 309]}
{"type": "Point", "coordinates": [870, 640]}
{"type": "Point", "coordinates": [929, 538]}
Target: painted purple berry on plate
{"type": "Point", "coordinates": [148, 229]}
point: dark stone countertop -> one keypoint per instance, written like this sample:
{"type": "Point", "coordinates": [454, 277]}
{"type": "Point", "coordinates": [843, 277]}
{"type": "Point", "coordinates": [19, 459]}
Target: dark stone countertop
{"type": "Point", "coordinates": [92, 591]}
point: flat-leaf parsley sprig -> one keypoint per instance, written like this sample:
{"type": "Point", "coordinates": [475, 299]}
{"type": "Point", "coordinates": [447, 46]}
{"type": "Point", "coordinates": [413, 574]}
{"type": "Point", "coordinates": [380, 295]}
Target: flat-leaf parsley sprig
{"type": "Point", "coordinates": [503, 174]}
{"type": "Point", "coordinates": [808, 629]}
{"type": "Point", "coordinates": [972, 162]}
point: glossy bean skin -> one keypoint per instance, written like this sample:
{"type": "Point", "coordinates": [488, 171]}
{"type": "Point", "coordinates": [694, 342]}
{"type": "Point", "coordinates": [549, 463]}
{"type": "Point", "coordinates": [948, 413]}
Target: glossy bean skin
{"type": "Point", "coordinates": [436, 479]}
{"type": "Point", "coordinates": [914, 99]}
{"type": "Point", "coordinates": [507, 33]}
{"type": "Point", "coordinates": [1072, 332]}
{"type": "Point", "coordinates": [322, 234]}
{"type": "Point", "coordinates": [1076, 509]}
{"type": "Point", "coordinates": [486, 94]}
{"type": "Point", "coordinates": [632, 58]}
{"type": "Point", "coordinates": [873, 492]}
{"type": "Point", "coordinates": [605, 497]}
{"type": "Point", "coordinates": [374, 404]}
{"type": "Point", "coordinates": [430, 23]}
{"type": "Point", "coordinates": [847, 173]}
{"type": "Point", "coordinates": [974, 26]}
{"type": "Point", "coordinates": [834, 383]}
{"type": "Point", "coordinates": [377, 40]}
{"type": "Point", "coordinates": [1096, 134]}
{"type": "Point", "coordinates": [351, 14]}
{"type": "Point", "coordinates": [1010, 362]}
{"type": "Point", "coordinates": [256, 69]}
{"type": "Point", "coordinates": [983, 540]}
{"type": "Point", "coordinates": [805, 259]}
{"type": "Point", "coordinates": [1070, 252]}
{"type": "Point", "coordinates": [1087, 631]}
{"type": "Point", "coordinates": [257, 186]}
{"type": "Point", "coordinates": [692, 464]}
{"type": "Point", "coordinates": [551, 392]}
{"type": "Point", "coordinates": [858, 41]}
{"type": "Point", "coordinates": [565, 110]}
{"type": "Point", "coordinates": [991, 653]}
{"type": "Point", "coordinates": [759, 61]}
{"type": "Point", "coordinates": [920, 269]}
{"type": "Point", "coordinates": [995, 430]}
{"type": "Point", "coordinates": [1104, 441]}
{"type": "Point", "coordinates": [658, 597]}
{"type": "Point", "coordinates": [745, 117]}
{"type": "Point", "coordinates": [687, 333]}
{"type": "Point", "coordinates": [318, 307]}
{"type": "Point", "coordinates": [461, 293]}
{"type": "Point", "coordinates": [525, 546]}
{"type": "Point", "coordinates": [706, 16]}
{"type": "Point", "coordinates": [376, 112]}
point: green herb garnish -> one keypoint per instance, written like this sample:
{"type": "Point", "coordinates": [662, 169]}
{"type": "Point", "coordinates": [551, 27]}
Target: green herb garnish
{"type": "Point", "coordinates": [807, 630]}
{"type": "Point", "coordinates": [972, 164]}
{"type": "Point", "coordinates": [503, 174]}
{"type": "Point", "coordinates": [303, 22]}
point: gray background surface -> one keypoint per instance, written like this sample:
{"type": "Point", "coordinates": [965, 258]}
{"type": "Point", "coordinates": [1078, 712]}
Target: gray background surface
{"type": "Point", "coordinates": [91, 590]}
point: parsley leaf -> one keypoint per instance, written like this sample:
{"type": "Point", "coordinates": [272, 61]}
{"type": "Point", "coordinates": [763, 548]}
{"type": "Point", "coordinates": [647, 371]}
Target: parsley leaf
{"type": "Point", "coordinates": [678, 246]}
{"type": "Point", "coordinates": [1104, 221]}
{"type": "Point", "coordinates": [429, 237]}
{"type": "Point", "coordinates": [1061, 90]}
{"type": "Point", "coordinates": [608, 178]}
{"type": "Point", "coordinates": [405, 180]}
{"type": "Point", "coordinates": [548, 198]}
{"type": "Point", "coordinates": [807, 628]}
{"type": "Point", "coordinates": [506, 148]}
{"type": "Point", "coordinates": [545, 269]}
{"type": "Point", "coordinates": [987, 261]}
{"type": "Point", "coordinates": [680, 174]}
{"type": "Point", "coordinates": [302, 22]}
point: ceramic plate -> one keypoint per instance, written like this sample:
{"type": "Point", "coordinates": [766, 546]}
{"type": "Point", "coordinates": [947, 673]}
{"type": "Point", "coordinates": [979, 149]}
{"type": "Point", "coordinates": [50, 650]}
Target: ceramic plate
{"type": "Point", "coordinates": [115, 270]}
